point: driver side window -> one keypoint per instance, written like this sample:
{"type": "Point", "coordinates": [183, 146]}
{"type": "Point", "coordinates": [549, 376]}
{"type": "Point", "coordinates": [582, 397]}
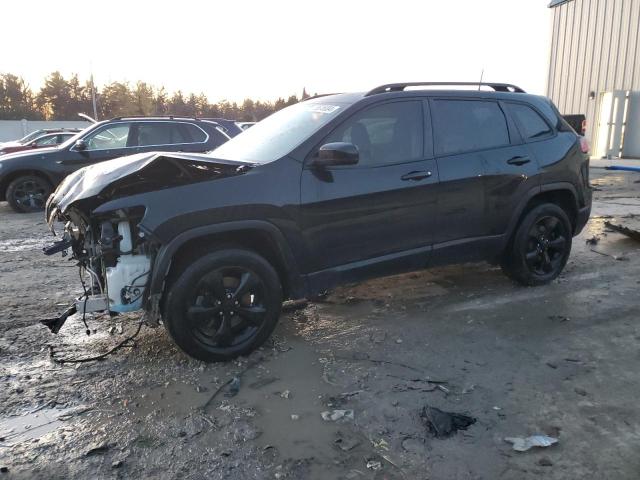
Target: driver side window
{"type": "Point", "coordinates": [113, 136]}
{"type": "Point", "coordinates": [384, 134]}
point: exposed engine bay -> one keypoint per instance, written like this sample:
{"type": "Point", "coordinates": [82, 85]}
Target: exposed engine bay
{"type": "Point", "coordinates": [114, 261]}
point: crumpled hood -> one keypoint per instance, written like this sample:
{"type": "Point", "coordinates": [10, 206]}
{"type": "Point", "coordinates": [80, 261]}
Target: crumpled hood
{"type": "Point", "coordinates": [136, 174]}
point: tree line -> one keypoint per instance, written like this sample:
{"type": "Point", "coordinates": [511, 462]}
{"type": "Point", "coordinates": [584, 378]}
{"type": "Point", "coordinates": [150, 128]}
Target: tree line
{"type": "Point", "coordinates": [62, 99]}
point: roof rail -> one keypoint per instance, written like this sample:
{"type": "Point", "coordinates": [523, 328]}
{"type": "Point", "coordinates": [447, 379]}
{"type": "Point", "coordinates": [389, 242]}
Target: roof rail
{"type": "Point", "coordinates": [399, 87]}
{"type": "Point", "coordinates": [170, 117]}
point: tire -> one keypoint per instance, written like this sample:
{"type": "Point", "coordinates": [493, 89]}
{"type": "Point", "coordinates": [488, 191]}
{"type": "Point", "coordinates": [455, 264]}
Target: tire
{"type": "Point", "coordinates": [28, 193]}
{"type": "Point", "coordinates": [223, 304]}
{"type": "Point", "coordinates": [540, 246]}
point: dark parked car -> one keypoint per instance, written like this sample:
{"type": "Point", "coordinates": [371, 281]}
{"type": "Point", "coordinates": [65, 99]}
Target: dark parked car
{"type": "Point", "coordinates": [27, 178]}
{"type": "Point", "coordinates": [43, 141]}
{"type": "Point", "coordinates": [333, 189]}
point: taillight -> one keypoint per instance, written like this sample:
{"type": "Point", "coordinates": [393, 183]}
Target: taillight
{"type": "Point", "coordinates": [584, 145]}
{"type": "Point", "coordinates": [583, 127]}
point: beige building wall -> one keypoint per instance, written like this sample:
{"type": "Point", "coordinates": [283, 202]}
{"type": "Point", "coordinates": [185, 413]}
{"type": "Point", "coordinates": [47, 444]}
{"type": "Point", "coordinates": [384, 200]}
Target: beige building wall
{"type": "Point", "coordinates": [595, 48]}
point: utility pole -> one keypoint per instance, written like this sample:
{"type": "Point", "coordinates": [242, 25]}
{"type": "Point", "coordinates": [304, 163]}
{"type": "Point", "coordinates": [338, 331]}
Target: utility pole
{"type": "Point", "coordinates": [93, 98]}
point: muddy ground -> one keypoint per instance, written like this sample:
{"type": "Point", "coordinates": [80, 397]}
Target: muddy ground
{"type": "Point", "coordinates": [561, 360]}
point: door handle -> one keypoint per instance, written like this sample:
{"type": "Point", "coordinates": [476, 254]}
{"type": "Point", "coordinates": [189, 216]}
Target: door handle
{"type": "Point", "coordinates": [518, 161]}
{"type": "Point", "coordinates": [416, 176]}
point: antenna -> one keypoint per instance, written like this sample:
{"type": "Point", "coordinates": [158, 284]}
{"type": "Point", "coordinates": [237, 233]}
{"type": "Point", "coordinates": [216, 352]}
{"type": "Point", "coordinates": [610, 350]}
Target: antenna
{"type": "Point", "coordinates": [481, 75]}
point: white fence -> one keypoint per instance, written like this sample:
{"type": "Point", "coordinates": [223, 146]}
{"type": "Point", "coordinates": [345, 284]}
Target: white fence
{"type": "Point", "coordinates": [15, 129]}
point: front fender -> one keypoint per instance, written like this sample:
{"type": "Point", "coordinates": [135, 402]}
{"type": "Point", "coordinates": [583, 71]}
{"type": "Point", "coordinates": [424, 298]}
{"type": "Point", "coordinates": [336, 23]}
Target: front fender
{"type": "Point", "coordinates": [166, 252]}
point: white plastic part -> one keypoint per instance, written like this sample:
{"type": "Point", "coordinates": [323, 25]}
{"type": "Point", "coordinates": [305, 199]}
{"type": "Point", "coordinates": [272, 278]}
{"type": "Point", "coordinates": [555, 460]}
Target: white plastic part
{"type": "Point", "coordinates": [125, 232]}
{"type": "Point", "coordinates": [126, 281]}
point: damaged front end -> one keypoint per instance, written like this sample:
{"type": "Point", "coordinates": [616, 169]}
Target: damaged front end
{"type": "Point", "coordinates": [113, 251]}
{"type": "Point", "coordinates": [114, 258]}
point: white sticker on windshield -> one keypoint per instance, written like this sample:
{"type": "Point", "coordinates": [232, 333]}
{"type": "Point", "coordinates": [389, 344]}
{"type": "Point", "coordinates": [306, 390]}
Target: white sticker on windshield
{"type": "Point", "coordinates": [322, 108]}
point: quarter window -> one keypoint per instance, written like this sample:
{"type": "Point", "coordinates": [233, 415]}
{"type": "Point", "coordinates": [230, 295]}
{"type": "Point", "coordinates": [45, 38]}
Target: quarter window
{"type": "Point", "coordinates": [531, 125]}
{"type": "Point", "coordinates": [196, 133]}
{"type": "Point", "coordinates": [388, 133]}
{"type": "Point", "coordinates": [114, 136]}
{"type": "Point", "coordinates": [466, 125]}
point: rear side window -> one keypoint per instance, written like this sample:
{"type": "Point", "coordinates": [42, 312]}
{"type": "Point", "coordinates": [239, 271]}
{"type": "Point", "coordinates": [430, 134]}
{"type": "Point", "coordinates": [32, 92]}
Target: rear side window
{"type": "Point", "coordinates": [531, 124]}
{"type": "Point", "coordinates": [196, 133]}
{"type": "Point", "coordinates": [466, 125]}
{"type": "Point", "coordinates": [163, 133]}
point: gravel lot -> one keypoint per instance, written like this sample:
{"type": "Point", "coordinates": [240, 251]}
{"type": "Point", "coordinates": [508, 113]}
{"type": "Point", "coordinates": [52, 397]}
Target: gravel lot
{"type": "Point", "coordinates": [561, 360]}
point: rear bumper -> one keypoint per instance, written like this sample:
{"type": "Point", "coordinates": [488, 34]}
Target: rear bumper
{"type": "Point", "coordinates": [584, 213]}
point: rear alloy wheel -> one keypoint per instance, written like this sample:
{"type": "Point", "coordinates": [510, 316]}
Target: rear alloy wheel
{"type": "Point", "coordinates": [223, 305]}
{"type": "Point", "coordinates": [28, 193]}
{"type": "Point", "coordinates": [541, 246]}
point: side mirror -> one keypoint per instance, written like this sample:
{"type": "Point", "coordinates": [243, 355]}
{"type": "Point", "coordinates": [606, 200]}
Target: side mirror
{"type": "Point", "coordinates": [337, 153]}
{"type": "Point", "coordinates": [80, 145]}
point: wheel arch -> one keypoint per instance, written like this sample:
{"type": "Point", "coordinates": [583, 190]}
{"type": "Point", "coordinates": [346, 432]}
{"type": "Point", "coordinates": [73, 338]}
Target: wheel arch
{"type": "Point", "coordinates": [562, 194]}
{"type": "Point", "coordinates": [260, 236]}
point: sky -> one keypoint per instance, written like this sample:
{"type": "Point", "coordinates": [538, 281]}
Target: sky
{"type": "Point", "coordinates": [273, 48]}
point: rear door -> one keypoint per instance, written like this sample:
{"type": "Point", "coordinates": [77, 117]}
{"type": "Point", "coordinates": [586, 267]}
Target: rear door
{"type": "Point", "coordinates": [384, 204]}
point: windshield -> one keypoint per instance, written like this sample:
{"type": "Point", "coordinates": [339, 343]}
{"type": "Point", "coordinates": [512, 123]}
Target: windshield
{"type": "Point", "coordinates": [278, 134]}
{"type": "Point", "coordinates": [76, 136]}
{"type": "Point", "coordinates": [30, 137]}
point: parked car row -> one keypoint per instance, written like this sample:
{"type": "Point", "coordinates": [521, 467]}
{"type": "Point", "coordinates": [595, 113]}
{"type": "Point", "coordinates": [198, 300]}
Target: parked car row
{"type": "Point", "coordinates": [39, 139]}
{"type": "Point", "coordinates": [27, 177]}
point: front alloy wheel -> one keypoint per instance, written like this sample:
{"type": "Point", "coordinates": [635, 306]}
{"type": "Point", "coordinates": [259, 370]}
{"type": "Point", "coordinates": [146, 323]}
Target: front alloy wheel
{"type": "Point", "coordinates": [28, 193]}
{"type": "Point", "coordinates": [223, 305]}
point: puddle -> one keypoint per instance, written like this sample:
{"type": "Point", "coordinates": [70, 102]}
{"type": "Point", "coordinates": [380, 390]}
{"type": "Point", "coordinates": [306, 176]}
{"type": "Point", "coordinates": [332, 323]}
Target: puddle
{"type": "Point", "coordinates": [31, 426]}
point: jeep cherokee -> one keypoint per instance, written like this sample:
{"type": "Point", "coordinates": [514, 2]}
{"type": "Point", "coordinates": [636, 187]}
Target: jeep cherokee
{"type": "Point", "coordinates": [334, 189]}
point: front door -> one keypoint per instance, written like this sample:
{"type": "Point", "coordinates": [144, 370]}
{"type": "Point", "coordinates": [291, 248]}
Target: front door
{"type": "Point", "coordinates": [111, 141]}
{"type": "Point", "coordinates": [383, 205]}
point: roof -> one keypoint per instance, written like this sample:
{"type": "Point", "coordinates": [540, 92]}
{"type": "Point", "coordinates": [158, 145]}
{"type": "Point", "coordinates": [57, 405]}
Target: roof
{"type": "Point", "coordinates": [555, 3]}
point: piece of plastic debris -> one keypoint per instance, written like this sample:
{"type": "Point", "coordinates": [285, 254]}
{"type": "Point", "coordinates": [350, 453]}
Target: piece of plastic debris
{"type": "Point", "coordinates": [442, 424]}
{"type": "Point", "coordinates": [335, 415]}
{"type": "Point", "coordinates": [374, 465]}
{"type": "Point", "coordinates": [524, 444]}
{"type": "Point", "coordinates": [234, 387]}
{"type": "Point", "coordinates": [285, 394]}
{"type": "Point", "coordinates": [295, 417]}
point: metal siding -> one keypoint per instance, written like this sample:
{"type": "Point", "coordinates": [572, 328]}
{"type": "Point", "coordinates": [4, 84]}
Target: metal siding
{"type": "Point", "coordinates": [595, 46]}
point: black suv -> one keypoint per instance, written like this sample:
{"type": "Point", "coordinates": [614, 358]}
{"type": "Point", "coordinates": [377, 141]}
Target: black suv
{"type": "Point", "coordinates": [27, 178]}
{"type": "Point", "coordinates": [334, 189]}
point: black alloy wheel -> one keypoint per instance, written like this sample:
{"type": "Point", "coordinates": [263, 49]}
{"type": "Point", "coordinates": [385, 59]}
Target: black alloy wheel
{"type": "Point", "coordinates": [540, 247]}
{"type": "Point", "coordinates": [223, 304]}
{"type": "Point", "coordinates": [28, 194]}
{"type": "Point", "coordinates": [546, 246]}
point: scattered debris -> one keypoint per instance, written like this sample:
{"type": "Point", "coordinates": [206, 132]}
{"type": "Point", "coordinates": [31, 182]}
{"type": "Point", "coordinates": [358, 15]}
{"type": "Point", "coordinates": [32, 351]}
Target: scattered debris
{"type": "Point", "coordinates": [560, 318]}
{"type": "Point", "coordinates": [593, 240]}
{"type": "Point", "coordinates": [234, 387]}
{"type": "Point", "coordinates": [629, 232]}
{"type": "Point", "coordinates": [374, 465]}
{"type": "Point", "coordinates": [285, 394]}
{"type": "Point", "coordinates": [346, 443]}
{"type": "Point", "coordinates": [442, 424]}
{"type": "Point", "coordinates": [295, 417]}
{"type": "Point", "coordinates": [545, 462]}
{"type": "Point", "coordinates": [524, 444]}
{"type": "Point", "coordinates": [98, 449]}
{"type": "Point", "coordinates": [580, 391]}
{"type": "Point", "coordinates": [335, 415]}
{"type": "Point", "coordinates": [117, 464]}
